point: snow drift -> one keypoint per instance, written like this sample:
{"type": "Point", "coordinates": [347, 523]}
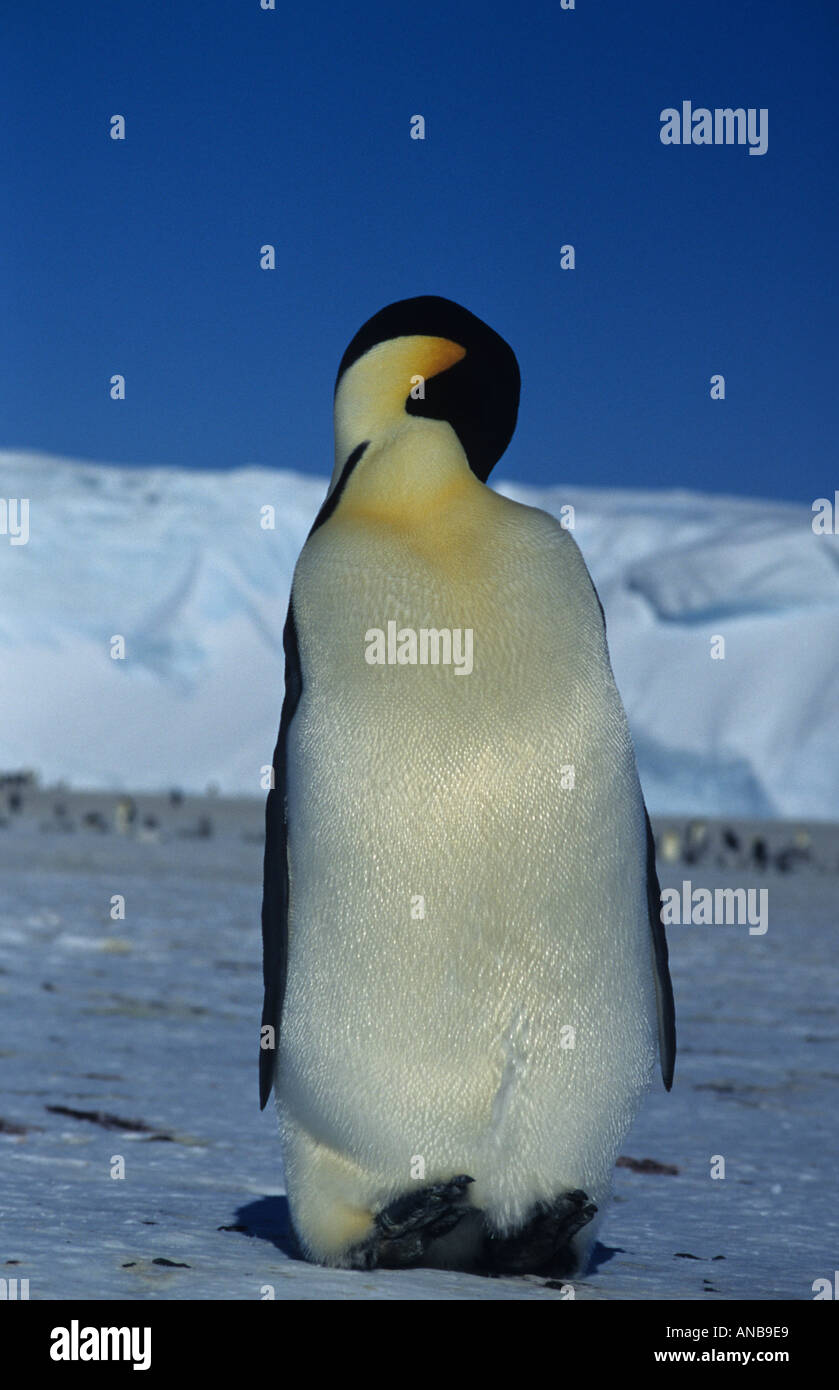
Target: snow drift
{"type": "Point", "coordinates": [181, 565]}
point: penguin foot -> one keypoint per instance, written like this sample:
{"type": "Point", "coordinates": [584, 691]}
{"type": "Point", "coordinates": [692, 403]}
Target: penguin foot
{"type": "Point", "coordinates": [543, 1245]}
{"type": "Point", "coordinates": [406, 1227]}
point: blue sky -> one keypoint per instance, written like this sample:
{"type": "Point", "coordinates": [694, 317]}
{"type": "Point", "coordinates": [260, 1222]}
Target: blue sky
{"type": "Point", "coordinates": [542, 128]}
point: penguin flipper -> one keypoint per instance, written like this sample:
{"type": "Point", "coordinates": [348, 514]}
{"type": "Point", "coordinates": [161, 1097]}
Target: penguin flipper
{"type": "Point", "coordinates": [663, 985]}
{"type": "Point", "coordinates": [275, 874]}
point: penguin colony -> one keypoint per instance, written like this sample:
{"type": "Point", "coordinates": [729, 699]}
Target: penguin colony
{"type": "Point", "coordinates": [466, 979]}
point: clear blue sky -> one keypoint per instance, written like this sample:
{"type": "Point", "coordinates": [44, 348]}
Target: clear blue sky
{"type": "Point", "coordinates": [292, 127]}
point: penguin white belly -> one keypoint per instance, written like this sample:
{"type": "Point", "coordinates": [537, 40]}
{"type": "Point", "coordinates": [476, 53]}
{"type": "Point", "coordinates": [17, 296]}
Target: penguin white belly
{"type": "Point", "coordinates": [469, 984]}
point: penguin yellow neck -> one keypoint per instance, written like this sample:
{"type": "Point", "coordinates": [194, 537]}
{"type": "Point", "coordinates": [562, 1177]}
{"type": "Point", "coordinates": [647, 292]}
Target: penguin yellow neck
{"type": "Point", "coordinates": [372, 393]}
{"type": "Point", "coordinates": [409, 476]}
{"type": "Point", "coordinates": [412, 465]}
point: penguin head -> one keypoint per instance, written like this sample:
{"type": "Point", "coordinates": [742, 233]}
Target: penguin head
{"type": "Point", "coordinates": [429, 358]}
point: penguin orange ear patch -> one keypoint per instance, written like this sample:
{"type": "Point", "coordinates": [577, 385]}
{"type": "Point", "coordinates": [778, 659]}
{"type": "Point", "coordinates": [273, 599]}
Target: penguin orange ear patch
{"type": "Point", "coordinates": [438, 354]}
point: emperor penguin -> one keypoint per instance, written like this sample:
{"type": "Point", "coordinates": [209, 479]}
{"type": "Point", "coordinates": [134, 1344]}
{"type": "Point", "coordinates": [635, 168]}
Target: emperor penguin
{"type": "Point", "coordinates": [466, 976]}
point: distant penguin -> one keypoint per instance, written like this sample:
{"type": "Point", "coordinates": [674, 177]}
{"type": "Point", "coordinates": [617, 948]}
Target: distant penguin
{"type": "Point", "coordinates": [799, 852]}
{"type": "Point", "coordinates": [730, 854]}
{"type": "Point", "coordinates": [759, 853]}
{"type": "Point", "coordinates": [697, 841]}
{"type": "Point", "coordinates": [125, 814]}
{"type": "Point", "coordinates": [670, 847]}
{"type": "Point", "coordinates": [466, 976]}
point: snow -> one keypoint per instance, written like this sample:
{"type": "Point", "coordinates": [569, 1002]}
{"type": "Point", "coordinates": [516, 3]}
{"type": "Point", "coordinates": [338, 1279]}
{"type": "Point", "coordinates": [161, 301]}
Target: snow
{"type": "Point", "coordinates": [153, 1020]}
{"type": "Point", "coordinates": [177, 563]}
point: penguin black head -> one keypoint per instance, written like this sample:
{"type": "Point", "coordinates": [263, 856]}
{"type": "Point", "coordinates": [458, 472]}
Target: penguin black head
{"type": "Point", "coordinates": [470, 377]}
